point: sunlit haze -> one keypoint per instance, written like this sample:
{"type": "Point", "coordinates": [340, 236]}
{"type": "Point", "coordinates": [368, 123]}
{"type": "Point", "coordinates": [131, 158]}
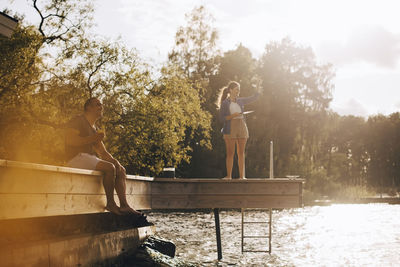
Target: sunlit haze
{"type": "Point", "coordinates": [361, 38]}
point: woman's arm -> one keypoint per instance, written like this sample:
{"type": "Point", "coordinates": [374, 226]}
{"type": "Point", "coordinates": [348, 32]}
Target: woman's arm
{"type": "Point", "coordinates": [236, 114]}
{"type": "Point", "coordinates": [247, 100]}
{"type": "Point", "coordinates": [225, 114]}
{"type": "Point", "coordinates": [224, 111]}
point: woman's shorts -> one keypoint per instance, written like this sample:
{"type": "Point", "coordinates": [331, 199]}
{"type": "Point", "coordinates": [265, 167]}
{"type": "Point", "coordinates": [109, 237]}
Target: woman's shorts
{"type": "Point", "coordinates": [238, 129]}
{"type": "Point", "coordinates": [84, 161]}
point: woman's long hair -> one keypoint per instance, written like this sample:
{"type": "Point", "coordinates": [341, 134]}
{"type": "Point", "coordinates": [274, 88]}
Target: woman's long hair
{"type": "Point", "coordinates": [223, 93]}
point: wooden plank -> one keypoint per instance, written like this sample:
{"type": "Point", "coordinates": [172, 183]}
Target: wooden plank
{"type": "Point", "coordinates": [14, 232]}
{"type": "Point", "coordinates": [139, 178]}
{"type": "Point", "coordinates": [214, 180]}
{"type": "Point", "coordinates": [138, 187]}
{"type": "Point", "coordinates": [6, 31]}
{"type": "Point", "coordinates": [139, 202]}
{"type": "Point", "coordinates": [227, 201]}
{"type": "Point", "coordinates": [34, 205]}
{"type": "Point", "coordinates": [33, 181]}
{"type": "Point", "coordinates": [205, 187]}
{"type": "Point", "coordinates": [7, 25]}
{"type": "Point", "coordinates": [24, 255]}
{"type": "Point", "coordinates": [75, 250]}
{"type": "Point", "coordinates": [43, 167]}
{"type": "Point", "coordinates": [8, 21]}
{"type": "Point", "coordinates": [29, 190]}
{"type": "Point", "coordinates": [61, 169]}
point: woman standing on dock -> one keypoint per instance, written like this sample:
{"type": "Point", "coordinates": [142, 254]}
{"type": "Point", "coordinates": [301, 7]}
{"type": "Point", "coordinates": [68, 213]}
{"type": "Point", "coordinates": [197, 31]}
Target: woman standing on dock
{"type": "Point", "coordinates": [231, 111]}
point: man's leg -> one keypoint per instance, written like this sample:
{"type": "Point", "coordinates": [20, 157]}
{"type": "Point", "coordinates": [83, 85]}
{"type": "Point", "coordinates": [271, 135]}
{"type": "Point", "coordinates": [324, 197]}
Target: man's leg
{"type": "Point", "coordinates": [109, 184]}
{"type": "Point", "coordinates": [120, 187]}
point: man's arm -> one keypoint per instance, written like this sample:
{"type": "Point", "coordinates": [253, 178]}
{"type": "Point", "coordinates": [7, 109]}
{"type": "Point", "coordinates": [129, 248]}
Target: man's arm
{"type": "Point", "coordinates": [72, 138]}
{"type": "Point", "coordinates": [105, 155]}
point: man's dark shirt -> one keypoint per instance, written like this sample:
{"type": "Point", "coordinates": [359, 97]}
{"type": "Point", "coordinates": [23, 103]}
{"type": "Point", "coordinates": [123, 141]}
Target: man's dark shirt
{"type": "Point", "coordinates": [81, 124]}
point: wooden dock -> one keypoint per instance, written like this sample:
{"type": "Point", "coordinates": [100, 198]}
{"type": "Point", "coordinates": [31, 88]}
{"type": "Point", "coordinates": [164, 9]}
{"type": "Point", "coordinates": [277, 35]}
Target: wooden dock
{"type": "Point", "coordinates": [31, 193]}
{"type": "Point", "coordinates": [218, 193]}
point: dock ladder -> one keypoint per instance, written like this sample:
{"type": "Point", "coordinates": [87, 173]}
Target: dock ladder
{"type": "Point", "coordinates": [266, 236]}
{"type": "Point", "coordinates": [269, 222]}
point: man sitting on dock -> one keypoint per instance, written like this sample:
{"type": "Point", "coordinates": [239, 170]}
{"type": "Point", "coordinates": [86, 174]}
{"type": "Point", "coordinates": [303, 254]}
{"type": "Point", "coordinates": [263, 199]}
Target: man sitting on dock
{"type": "Point", "coordinates": [83, 142]}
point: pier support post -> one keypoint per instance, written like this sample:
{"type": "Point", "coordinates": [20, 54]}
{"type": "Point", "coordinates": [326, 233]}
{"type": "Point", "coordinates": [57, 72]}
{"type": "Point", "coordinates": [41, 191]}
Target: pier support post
{"type": "Point", "coordinates": [218, 233]}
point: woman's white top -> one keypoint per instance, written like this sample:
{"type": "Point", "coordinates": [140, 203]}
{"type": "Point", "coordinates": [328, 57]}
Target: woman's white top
{"type": "Point", "coordinates": [233, 108]}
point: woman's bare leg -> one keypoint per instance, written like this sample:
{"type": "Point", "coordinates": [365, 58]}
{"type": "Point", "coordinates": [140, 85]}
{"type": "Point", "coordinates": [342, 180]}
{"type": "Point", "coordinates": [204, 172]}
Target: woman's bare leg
{"type": "Point", "coordinates": [230, 151]}
{"type": "Point", "coordinates": [241, 157]}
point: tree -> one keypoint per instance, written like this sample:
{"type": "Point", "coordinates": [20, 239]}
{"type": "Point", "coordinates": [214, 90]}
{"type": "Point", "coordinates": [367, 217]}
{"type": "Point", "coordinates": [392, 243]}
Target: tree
{"type": "Point", "coordinates": [195, 53]}
{"type": "Point", "coordinates": [152, 131]}
{"type": "Point", "coordinates": [381, 141]}
{"type": "Point", "coordinates": [297, 92]}
{"type": "Point", "coordinates": [24, 70]}
{"type": "Point", "coordinates": [149, 123]}
{"type": "Point", "coordinates": [195, 49]}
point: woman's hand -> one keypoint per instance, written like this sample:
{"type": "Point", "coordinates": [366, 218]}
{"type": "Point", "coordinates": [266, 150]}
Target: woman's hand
{"type": "Point", "coordinates": [234, 115]}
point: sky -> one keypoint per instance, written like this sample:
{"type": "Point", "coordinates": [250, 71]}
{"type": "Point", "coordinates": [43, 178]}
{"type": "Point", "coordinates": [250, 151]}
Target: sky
{"type": "Point", "coordinates": [361, 38]}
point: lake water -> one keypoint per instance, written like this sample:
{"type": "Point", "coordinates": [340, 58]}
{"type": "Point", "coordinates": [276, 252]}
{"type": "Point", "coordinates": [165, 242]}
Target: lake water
{"type": "Point", "coordinates": [336, 235]}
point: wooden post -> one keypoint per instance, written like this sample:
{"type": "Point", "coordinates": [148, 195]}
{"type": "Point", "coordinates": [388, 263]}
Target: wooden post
{"type": "Point", "coordinates": [270, 230]}
{"type": "Point", "coordinates": [242, 211]}
{"type": "Point", "coordinates": [218, 233]}
{"type": "Point", "coordinates": [271, 160]}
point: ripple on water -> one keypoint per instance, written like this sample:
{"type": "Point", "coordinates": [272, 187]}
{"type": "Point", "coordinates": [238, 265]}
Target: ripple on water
{"type": "Point", "coordinates": [336, 235]}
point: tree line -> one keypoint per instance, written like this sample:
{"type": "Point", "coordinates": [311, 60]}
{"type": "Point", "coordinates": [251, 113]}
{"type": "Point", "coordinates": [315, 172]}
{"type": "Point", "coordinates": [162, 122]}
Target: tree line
{"type": "Point", "coordinates": [155, 118]}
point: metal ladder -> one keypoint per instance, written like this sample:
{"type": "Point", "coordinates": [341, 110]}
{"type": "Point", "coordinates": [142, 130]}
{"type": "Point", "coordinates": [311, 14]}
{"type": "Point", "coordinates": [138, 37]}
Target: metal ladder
{"type": "Point", "coordinates": [269, 236]}
{"type": "Point", "coordinates": [269, 222]}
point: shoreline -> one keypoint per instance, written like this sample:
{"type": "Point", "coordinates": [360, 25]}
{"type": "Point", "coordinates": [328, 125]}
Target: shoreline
{"type": "Point", "coordinates": [364, 200]}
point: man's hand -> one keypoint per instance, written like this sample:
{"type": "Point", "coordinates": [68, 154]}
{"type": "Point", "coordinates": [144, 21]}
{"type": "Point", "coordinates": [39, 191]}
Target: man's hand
{"type": "Point", "coordinates": [119, 168]}
{"type": "Point", "coordinates": [72, 138]}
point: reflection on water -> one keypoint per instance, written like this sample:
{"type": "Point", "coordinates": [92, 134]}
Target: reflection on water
{"type": "Point", "coordinates": [337, 235]}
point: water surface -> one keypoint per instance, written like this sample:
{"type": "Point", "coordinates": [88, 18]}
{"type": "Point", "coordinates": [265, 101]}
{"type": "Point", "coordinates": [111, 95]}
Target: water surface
{"type": "Point", "coordinates": [336, 235]}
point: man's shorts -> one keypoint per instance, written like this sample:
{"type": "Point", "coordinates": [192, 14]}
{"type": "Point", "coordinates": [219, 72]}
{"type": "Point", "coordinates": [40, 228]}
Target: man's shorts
{"type": "Point", "coordinates": [238, 129]}
{"type": "Point", "coordinates": [84, 161]}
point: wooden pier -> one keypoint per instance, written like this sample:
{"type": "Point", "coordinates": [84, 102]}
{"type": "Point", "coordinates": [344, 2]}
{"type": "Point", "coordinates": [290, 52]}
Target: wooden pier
{"type": "Point", "coordinates": [218, 193]}
{"type": "Point", "coordinates": [31, 194]}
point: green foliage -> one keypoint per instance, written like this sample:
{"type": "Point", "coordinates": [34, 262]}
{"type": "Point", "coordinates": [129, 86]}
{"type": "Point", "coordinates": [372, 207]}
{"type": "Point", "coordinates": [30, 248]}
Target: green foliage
{"type": "Point", "coordinates": [381, 143]}
{"type": "Point", "coordinates": [291, 110]}
{"type": "Point", "coordinates": [19, 69]}
{"type": "Point", "coordinates": [148, 122]}
{"type": "Point", "coordinates": [319, 182]}
{"type": "Point", "coordinates": [19, 64]}
{"type": "Point", "coordinates": [195, 45]}
{"type": "Point", "coordinates": [195, 53]}
{"type": "Point", "coordinates": [152, 130]}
